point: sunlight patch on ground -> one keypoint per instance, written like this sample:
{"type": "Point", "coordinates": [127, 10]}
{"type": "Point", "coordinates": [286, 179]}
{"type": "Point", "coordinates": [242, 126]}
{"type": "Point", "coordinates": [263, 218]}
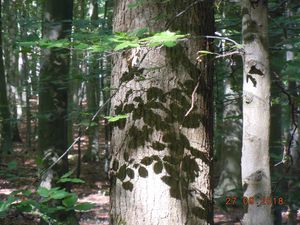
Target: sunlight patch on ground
{"type": "Point", "coordinates": [6, 191]}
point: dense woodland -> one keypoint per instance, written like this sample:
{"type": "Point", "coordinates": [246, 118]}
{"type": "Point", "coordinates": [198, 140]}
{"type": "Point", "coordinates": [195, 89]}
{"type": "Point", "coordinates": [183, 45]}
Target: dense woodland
{"type": "Point", "coordinates": [149, 112]}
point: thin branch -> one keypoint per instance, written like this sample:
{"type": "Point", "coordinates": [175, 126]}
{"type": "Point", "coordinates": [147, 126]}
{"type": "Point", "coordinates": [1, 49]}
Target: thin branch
{"type": "Point", "coordinates": [81, 134]}
{"type": "Point", "coordinates": [193, 99]}
{"type": "Point", "coordinates": [223, 38]}
{"type": "Point", "coordinates": [287, 150]}
{"type": "Point", "coordinates": [53, 164]}
{"type": "Point", "coordinates": [228, 54]}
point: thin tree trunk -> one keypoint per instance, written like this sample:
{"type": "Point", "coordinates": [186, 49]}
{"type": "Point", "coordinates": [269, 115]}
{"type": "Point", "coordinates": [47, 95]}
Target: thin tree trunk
{"type": "Point", "coordinates": [256, 113]}
{"type": "Point", "coordinates": [25, 75]}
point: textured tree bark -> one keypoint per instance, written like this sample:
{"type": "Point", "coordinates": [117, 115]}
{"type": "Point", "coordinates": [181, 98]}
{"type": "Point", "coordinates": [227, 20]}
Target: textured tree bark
{"type": "Point", "coordinates": [6, 132]}
{"type": "Point", "coordinates": [161, 159]}
{"type": "Point", "coordinates": [10, 64]}
{"type": "Point", "coordinates": [53, 96]}
{"type": "Point", "coordinates": [256, 113]}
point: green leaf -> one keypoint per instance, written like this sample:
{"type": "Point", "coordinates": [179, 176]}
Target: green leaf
{"type": "Point", "coordinates": [82, 46]}
{"type": "Point", "coordinates": [203, 52]}
{"type": "Point", "coordinates": [4, 206]}
{"type": "Point", "coordinates": [12, 165]}
{"type": "Point", "coordinates": [116, 118]}
{"type": "Point", "coordinates": [26, 205]}
{"type": "Point", "coordinates": [166, 38]}
{"type": "Point", "coordinates": [71, 180]}
{"type": "Point", "coordinates": [70, 200]}
{"type": "Point", "coordinates": [26, 193]}
{"type": "Point", "coordinates": [126, 44]}
{"type": "Point", "coordinates": [67, 174]}
{"type": "Point", "coordinates": [86, 206]}
{"type": "Point", "coordinates": [43, 192]}
{"type": "Point", "coordinates": [58, 194]}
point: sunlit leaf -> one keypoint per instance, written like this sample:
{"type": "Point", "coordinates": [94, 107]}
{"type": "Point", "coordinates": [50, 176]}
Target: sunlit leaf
{"type": "Point", "coordinates": [166, 38]}
{"type": "Point", "coordinates": [116, 118]}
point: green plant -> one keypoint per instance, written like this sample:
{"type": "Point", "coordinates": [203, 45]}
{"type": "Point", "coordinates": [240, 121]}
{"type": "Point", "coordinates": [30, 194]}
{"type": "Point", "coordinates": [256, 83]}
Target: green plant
{"type": "Point", "coordinates": [45, 203]}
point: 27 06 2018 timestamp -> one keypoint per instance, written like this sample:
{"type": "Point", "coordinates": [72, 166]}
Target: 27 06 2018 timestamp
{"type": "Point", "coordinates": [251, 201]}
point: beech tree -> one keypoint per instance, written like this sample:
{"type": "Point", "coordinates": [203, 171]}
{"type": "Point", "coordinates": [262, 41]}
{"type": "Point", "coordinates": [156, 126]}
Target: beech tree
{"type": "Point", "coordinates": [256, 113]}
{"type": "Point", "coordinates": [161, 154]}
{"type": "Point", "coordinates": [53, 96]}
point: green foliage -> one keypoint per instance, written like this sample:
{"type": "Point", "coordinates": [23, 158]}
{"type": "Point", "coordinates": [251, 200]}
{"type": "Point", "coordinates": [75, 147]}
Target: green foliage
{"type": "Point", "coordinates": [55, 200]}
{"type": "Point", "coordinates": [4, 206]}
{"type": "Point", "coordinates": [166, 38]}
{"type": "Point", "coordinates": [116, 118]}
{"type": "Point", "coordinates": [9, 171]}
{"type": "Point", "coordinates": [12, 165]}
{"type": "Point", "coordinates": [66, 178]}
{"type": "Point", "coordinates": [95, 41]}
{"type": "Point", "coordinates": [84, 206]}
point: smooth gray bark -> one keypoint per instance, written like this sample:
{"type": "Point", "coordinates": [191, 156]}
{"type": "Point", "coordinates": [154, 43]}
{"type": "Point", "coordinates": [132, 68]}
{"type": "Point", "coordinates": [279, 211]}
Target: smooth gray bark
{"type": "Point", "coordinates": [256, 113]}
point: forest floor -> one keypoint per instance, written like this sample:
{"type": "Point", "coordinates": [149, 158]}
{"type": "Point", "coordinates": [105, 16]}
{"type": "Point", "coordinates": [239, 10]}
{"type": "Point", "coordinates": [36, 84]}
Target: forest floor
{"type": "Point", "coordinates": [94, 190]}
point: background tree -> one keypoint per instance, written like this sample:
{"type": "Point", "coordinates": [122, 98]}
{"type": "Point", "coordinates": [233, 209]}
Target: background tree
{"type": "Point", "coordinates": [228, 110]}
{"type": "Point", "coordinates": [256, 112]}
{"type": "Point", "coordinates": [6, 132]}
{"type": "Point", "coordinates": [11, 63]}
{"type": "Point", "coordinates": [53, 86]}
{"type": "Point", "coordinates": [53, 95]}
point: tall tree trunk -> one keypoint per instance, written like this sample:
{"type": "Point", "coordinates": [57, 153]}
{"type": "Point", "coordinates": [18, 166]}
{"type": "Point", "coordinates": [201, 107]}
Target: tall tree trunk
{"type": "Point", "coordinates": [229, 129]}
{"type": "Point", "coordinates": [293, 131]}
{"type": "Point", "coordinates": [230, 177]}
{"type": "Point", "coordinates": [6, 132]}
{"type": "Point", "coordinates": [53, 95]}
{"type": "Point", "coordinates": [276, 146]}
{"type": "Point", "coordinates": [161, 160]}
{"type": "Point", "coordinates": [11, 66]}
{"type": "Point", "coordinates": [256, 113]}
{"type": "Point", "coordinates": [93, 91]}
{"type": "Point", "coordinates": [25, 74]}
{"type": "Point", "coordinates": [53, 83]}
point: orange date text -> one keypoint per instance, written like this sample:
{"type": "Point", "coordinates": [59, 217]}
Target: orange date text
{"type": "Point", "coordinates": [231, 201]}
